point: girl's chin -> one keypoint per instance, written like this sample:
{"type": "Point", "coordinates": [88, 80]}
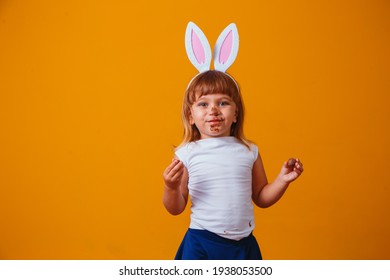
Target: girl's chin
{"type": "Point", "coordinates": [214, 134]}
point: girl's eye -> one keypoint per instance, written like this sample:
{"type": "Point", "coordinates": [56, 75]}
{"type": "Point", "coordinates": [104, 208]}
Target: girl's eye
{"type": "Point", "coordinates": [223, 103]}
{"type": "Point", "coordinates": [202, 104]}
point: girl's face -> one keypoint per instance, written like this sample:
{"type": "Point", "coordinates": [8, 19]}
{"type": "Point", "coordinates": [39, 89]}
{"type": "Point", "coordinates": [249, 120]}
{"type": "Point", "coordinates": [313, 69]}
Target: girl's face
{"type": "Point", "coordinates": [213, 115]}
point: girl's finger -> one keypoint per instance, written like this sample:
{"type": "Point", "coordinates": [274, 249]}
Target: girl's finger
{"type": "Point", "coordinates": [178, 166]}
{"type": "Point", "coordinates": [298, 171]}
{"type": "Point", "coordinates": [171, 166]}
{"type": "Point", "coordinates": [177, 175]}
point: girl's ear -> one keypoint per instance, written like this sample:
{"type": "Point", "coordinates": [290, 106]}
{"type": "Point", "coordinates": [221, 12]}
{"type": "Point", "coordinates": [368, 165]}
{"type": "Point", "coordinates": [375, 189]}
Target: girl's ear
{"type": "Point", "coordinates": [191, 119]}
{"type": "Point", "coordinates": [226, 48]}
{"type": "Point", "coordinates": [197, 47]}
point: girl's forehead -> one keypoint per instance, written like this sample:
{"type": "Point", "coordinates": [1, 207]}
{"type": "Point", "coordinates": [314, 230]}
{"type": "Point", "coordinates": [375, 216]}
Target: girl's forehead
{"type": "Point", "coordinates": [215, 95]}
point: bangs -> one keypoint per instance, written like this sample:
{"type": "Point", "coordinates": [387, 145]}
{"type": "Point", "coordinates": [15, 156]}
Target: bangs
{"type": "Point", "coordinates": [211, 82]}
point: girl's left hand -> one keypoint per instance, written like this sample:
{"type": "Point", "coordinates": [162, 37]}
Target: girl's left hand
{"type": "Point", "coordinates": [291, 170]}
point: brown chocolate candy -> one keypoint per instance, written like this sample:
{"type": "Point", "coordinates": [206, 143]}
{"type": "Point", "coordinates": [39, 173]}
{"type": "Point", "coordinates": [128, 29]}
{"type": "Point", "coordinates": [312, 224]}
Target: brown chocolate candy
{"type": "Point", "coordinates": [291, 162]}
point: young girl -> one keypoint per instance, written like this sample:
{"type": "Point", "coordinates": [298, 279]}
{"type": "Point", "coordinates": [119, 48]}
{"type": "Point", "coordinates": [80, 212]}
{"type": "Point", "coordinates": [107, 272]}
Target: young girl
{"type": "Point", "coordinates": [217, 167]}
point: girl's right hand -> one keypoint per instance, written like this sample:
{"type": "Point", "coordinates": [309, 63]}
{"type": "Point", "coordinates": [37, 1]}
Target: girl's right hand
{"type": "Point", "coordinates": [173, 174]}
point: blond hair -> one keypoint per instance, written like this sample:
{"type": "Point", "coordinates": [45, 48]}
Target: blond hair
{"type": "Point", "coordinates": [210, 82]}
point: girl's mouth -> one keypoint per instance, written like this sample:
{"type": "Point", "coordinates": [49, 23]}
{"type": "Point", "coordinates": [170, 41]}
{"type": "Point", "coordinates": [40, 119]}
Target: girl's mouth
{"type": "Point", "coordinates": [215, 121]}
{"type": "Point", "coordinates": [215, 124]}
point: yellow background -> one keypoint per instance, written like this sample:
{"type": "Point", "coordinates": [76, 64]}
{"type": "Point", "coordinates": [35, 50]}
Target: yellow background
{"type": "Point", "coordinates": [90, 96]}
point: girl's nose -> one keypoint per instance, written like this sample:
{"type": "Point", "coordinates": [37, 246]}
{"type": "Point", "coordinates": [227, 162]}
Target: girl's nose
{"type": "Point", "coordinates": [214, 110]}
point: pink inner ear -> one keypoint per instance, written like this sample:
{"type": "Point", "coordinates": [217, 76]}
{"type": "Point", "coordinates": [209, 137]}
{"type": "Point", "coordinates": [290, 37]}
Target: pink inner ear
{"type": "Point", "coordinates": [197, 48]}
{"type": "Point", "coordinates": [226, 48]}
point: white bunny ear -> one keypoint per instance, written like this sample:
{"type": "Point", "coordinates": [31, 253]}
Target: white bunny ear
{"type": "Point", "coordinates": [197, 47]}
{"type": "Point", "coordinates": [226, 48]}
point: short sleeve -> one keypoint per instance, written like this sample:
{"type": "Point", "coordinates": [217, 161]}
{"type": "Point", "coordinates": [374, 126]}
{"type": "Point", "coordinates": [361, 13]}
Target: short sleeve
{"type": "Point", "coordinates": [182, 154]}
{"type": "Point", "coordinates": [255, 152]}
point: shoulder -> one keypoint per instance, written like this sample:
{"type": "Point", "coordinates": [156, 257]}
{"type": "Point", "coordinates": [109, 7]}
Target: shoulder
{"type": "Point", "coordinates": [254, 150]}
{"type": "Point", "coordinates": [184, 148]}
{"type": "Point", "coordinates": [182, 152]}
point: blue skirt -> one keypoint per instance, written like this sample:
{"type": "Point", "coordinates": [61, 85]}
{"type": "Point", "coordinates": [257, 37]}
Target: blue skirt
{"type": "Point", "coordinates": [205, 245]}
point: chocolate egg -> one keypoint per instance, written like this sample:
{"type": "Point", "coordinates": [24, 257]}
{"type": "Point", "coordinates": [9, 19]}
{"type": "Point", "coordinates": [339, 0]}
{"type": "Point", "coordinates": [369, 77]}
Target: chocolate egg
{"type": "Point", "coordinates": [291, 162]}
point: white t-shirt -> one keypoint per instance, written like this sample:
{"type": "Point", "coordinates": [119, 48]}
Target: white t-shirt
{"type": "Point", "coordinates": [220, 185]}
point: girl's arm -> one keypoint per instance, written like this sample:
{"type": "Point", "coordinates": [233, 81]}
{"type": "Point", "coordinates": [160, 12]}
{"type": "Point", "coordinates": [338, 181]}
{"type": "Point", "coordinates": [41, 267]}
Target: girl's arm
{"type": "Point", "coordinates": [175, 195]}
{"type": "Point", "coordinates": [265, 194]}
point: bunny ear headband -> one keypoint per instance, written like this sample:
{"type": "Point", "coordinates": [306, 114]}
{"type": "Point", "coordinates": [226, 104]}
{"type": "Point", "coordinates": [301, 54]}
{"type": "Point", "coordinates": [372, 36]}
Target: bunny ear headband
{"type": "Point", "coordinates": [199, 51]}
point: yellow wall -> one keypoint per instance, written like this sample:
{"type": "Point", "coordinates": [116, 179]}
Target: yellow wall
{"type": "Point", "coordinates": [90, 96]}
